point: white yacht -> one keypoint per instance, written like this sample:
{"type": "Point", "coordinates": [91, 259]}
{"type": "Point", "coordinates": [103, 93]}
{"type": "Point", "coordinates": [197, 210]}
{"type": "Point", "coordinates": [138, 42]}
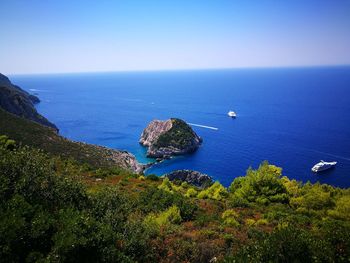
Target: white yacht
{"type": "Point", "coordinates": [322, 165]}
{"type": "Point", "coordinates": [232, 114]}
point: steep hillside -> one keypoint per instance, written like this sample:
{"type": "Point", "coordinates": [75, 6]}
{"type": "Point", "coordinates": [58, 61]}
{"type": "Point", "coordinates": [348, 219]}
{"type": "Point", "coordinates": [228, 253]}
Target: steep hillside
{"type": "Point", "coordinates": [19, 102]}
{"type": "Point", "coordinates": [39, 136]}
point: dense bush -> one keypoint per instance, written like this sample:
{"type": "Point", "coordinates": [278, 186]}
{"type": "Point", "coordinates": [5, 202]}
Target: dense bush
{"type": "Point", "coordinates": [7, 143]}
{"type": "Point", "coordinates": [152, 177]}
{"type": "Point", "coordinates": [292, 244]}
{"type": "Point", "coordinates": [262, 186]}
{"type": "Point", "coordinates": [155, 200]}
{"type": "Point", "coordinates": [216, 191]}
{"type": "Point", "coordinates": [191, 192]}
{"type": "Point", "coordinates": [166, 185]}
{"type": "Point", "coordinates": [154, 222]}
{"type": "Point", "coordinates": [49, 215]}
{"type": "Point", "coordinates": [230, 217]}
{"type": "Point", "coordinates": [31, 174]}
{"type": "Point", "coordinates": [313, 197]}
{"type": "Point", "coordinates": [342, 208]}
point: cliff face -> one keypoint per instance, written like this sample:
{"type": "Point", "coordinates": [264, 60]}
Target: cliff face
{"type": "Point", "coordinates": [119, 158]}
{"type": "Point", "coordinates": [170, 137]}
{"type": "Point", "coordinates": [153, 131]}
{"type": "Point", "coordinates": [19, 102]}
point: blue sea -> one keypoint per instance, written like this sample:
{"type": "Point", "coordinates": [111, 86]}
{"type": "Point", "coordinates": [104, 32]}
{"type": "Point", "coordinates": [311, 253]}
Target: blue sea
{"type": "Point", "coordinates": [292, 117]}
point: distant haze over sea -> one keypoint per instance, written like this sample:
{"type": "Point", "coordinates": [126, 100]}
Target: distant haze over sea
{"type": "Point", "coordinates": [291, 117]}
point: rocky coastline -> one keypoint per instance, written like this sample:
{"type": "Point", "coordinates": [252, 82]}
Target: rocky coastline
{"type": "Point", "coordinates": [191, 177]}
{"type": "Point", "coordinates": [122, 159]}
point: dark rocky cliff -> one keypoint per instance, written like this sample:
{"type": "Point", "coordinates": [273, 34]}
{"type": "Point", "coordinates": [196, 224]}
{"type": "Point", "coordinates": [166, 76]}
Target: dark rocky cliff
{"type": "Point", "coordinates": [192, 177]}
{"type": "Point", "coordinates": [19, 102]}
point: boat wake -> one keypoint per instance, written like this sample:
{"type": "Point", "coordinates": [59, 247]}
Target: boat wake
{"type": "Point", "coordinates": [38, 90]}
{"type": "Point", "coordinates": [330, 154]}
{"type": "Point", "coordinates": [203, 126]}
{"type": "Point", "coordinates": [325, 153]}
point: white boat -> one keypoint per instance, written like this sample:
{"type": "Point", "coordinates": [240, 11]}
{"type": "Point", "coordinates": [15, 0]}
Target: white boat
{"type": "Point", "coordinates": [322, 165]}
{"type": "Point", "coordinates": [232, 114]}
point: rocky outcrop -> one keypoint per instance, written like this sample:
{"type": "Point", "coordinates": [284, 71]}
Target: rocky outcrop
{"type": "Point", "coordinates": [168, 138]}
{"type": "Point", "coordinates": [19, 102]}
{"type": "Point", "coordinates": [119, 158]}
{"type": "Point", "coordinates": [154, 130]}
{"type": "Point", "coordinates": [192, 177]}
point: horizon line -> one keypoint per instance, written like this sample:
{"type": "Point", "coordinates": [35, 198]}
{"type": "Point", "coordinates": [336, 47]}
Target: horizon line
{"type": "Point", "coordinates": [180, 69]}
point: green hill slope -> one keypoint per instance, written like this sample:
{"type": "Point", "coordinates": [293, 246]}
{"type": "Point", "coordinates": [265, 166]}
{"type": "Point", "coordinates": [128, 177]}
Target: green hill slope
{"type": "Point", "coordinates": [30, 133]}
{"type": "Point", "coordinates": [15, 100]}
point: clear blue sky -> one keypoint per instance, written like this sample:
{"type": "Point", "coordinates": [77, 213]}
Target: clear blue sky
{"type": "Point", "coordinates": [78, 36]}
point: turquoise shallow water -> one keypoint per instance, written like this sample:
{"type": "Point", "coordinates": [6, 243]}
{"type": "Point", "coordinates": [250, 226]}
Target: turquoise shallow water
{"type": "Point", "coordinates": [291, 117]}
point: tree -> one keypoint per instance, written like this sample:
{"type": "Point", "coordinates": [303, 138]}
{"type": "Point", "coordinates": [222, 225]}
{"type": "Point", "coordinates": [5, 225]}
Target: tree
{"type": "Point", "coordinates": [261, 186]}
{"type": "Point", "coordinates": [216, 191]}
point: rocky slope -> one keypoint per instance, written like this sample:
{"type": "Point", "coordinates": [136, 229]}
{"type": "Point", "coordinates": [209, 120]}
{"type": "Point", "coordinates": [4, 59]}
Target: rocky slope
{"type": "Point", "coordinates": [19, 102]}
{"type": "Point", "coordinates": [38, 136]}
{"type": "Point", "coordinates": [191, 177]}
{"type": "Point", "coordinates": [170, 137]}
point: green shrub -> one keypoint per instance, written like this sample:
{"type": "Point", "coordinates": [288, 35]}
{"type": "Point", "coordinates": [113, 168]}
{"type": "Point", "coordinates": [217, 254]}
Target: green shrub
{"type": "Point", "coordinates": [171, 215]}
{"type": "Point", "coordinates": [124, 181]}
{"type": "Point", "coordinates": [184, 185]}
{"type": "Point", "coordinates": [7, 143]}
{"type": "Point", "coordinates": [215, 191]}
{"type": "Point", "coordinates": [152, 177]}
{"type": "Point", "coordinates": [153, 222]}
{"type": "Point", "coordinates": [230, 217]}
{"type": "Point", "coordinates": [313, 197]}
{"type": "Point", "coordinates": [102, 173]}
{"type": "Point", "coordinates": [285, 245]}
{"type": "Point", "coordinates": [341, 209]}
{"type": "Point", "coordinates": [47, 215]}
{"type": "Point", "coordinates": [250, 222]}
{"type": "Point", "coordinates": [229, 239]}
{"type": "Point", "coordinates": [289, 243]}
{"type": "Point", "coordinates": [166, 185]}
{"type": "Point", "coordinates": [235, 200]}
{"type": "Point", "coordinates": [262, 221]}
{"type": "Point", "coordinates": [156, 200]}
{"type": "Point", "coordinates": [208, 233]}
{"type": "Point", "coordinates": [204, 219]}
{"type": "Point", "coordinates": [276, 212]}
{"type": "Point", "coordinates": [191, 192]}
{"type": "Point", "coordinates": [262, 186]}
